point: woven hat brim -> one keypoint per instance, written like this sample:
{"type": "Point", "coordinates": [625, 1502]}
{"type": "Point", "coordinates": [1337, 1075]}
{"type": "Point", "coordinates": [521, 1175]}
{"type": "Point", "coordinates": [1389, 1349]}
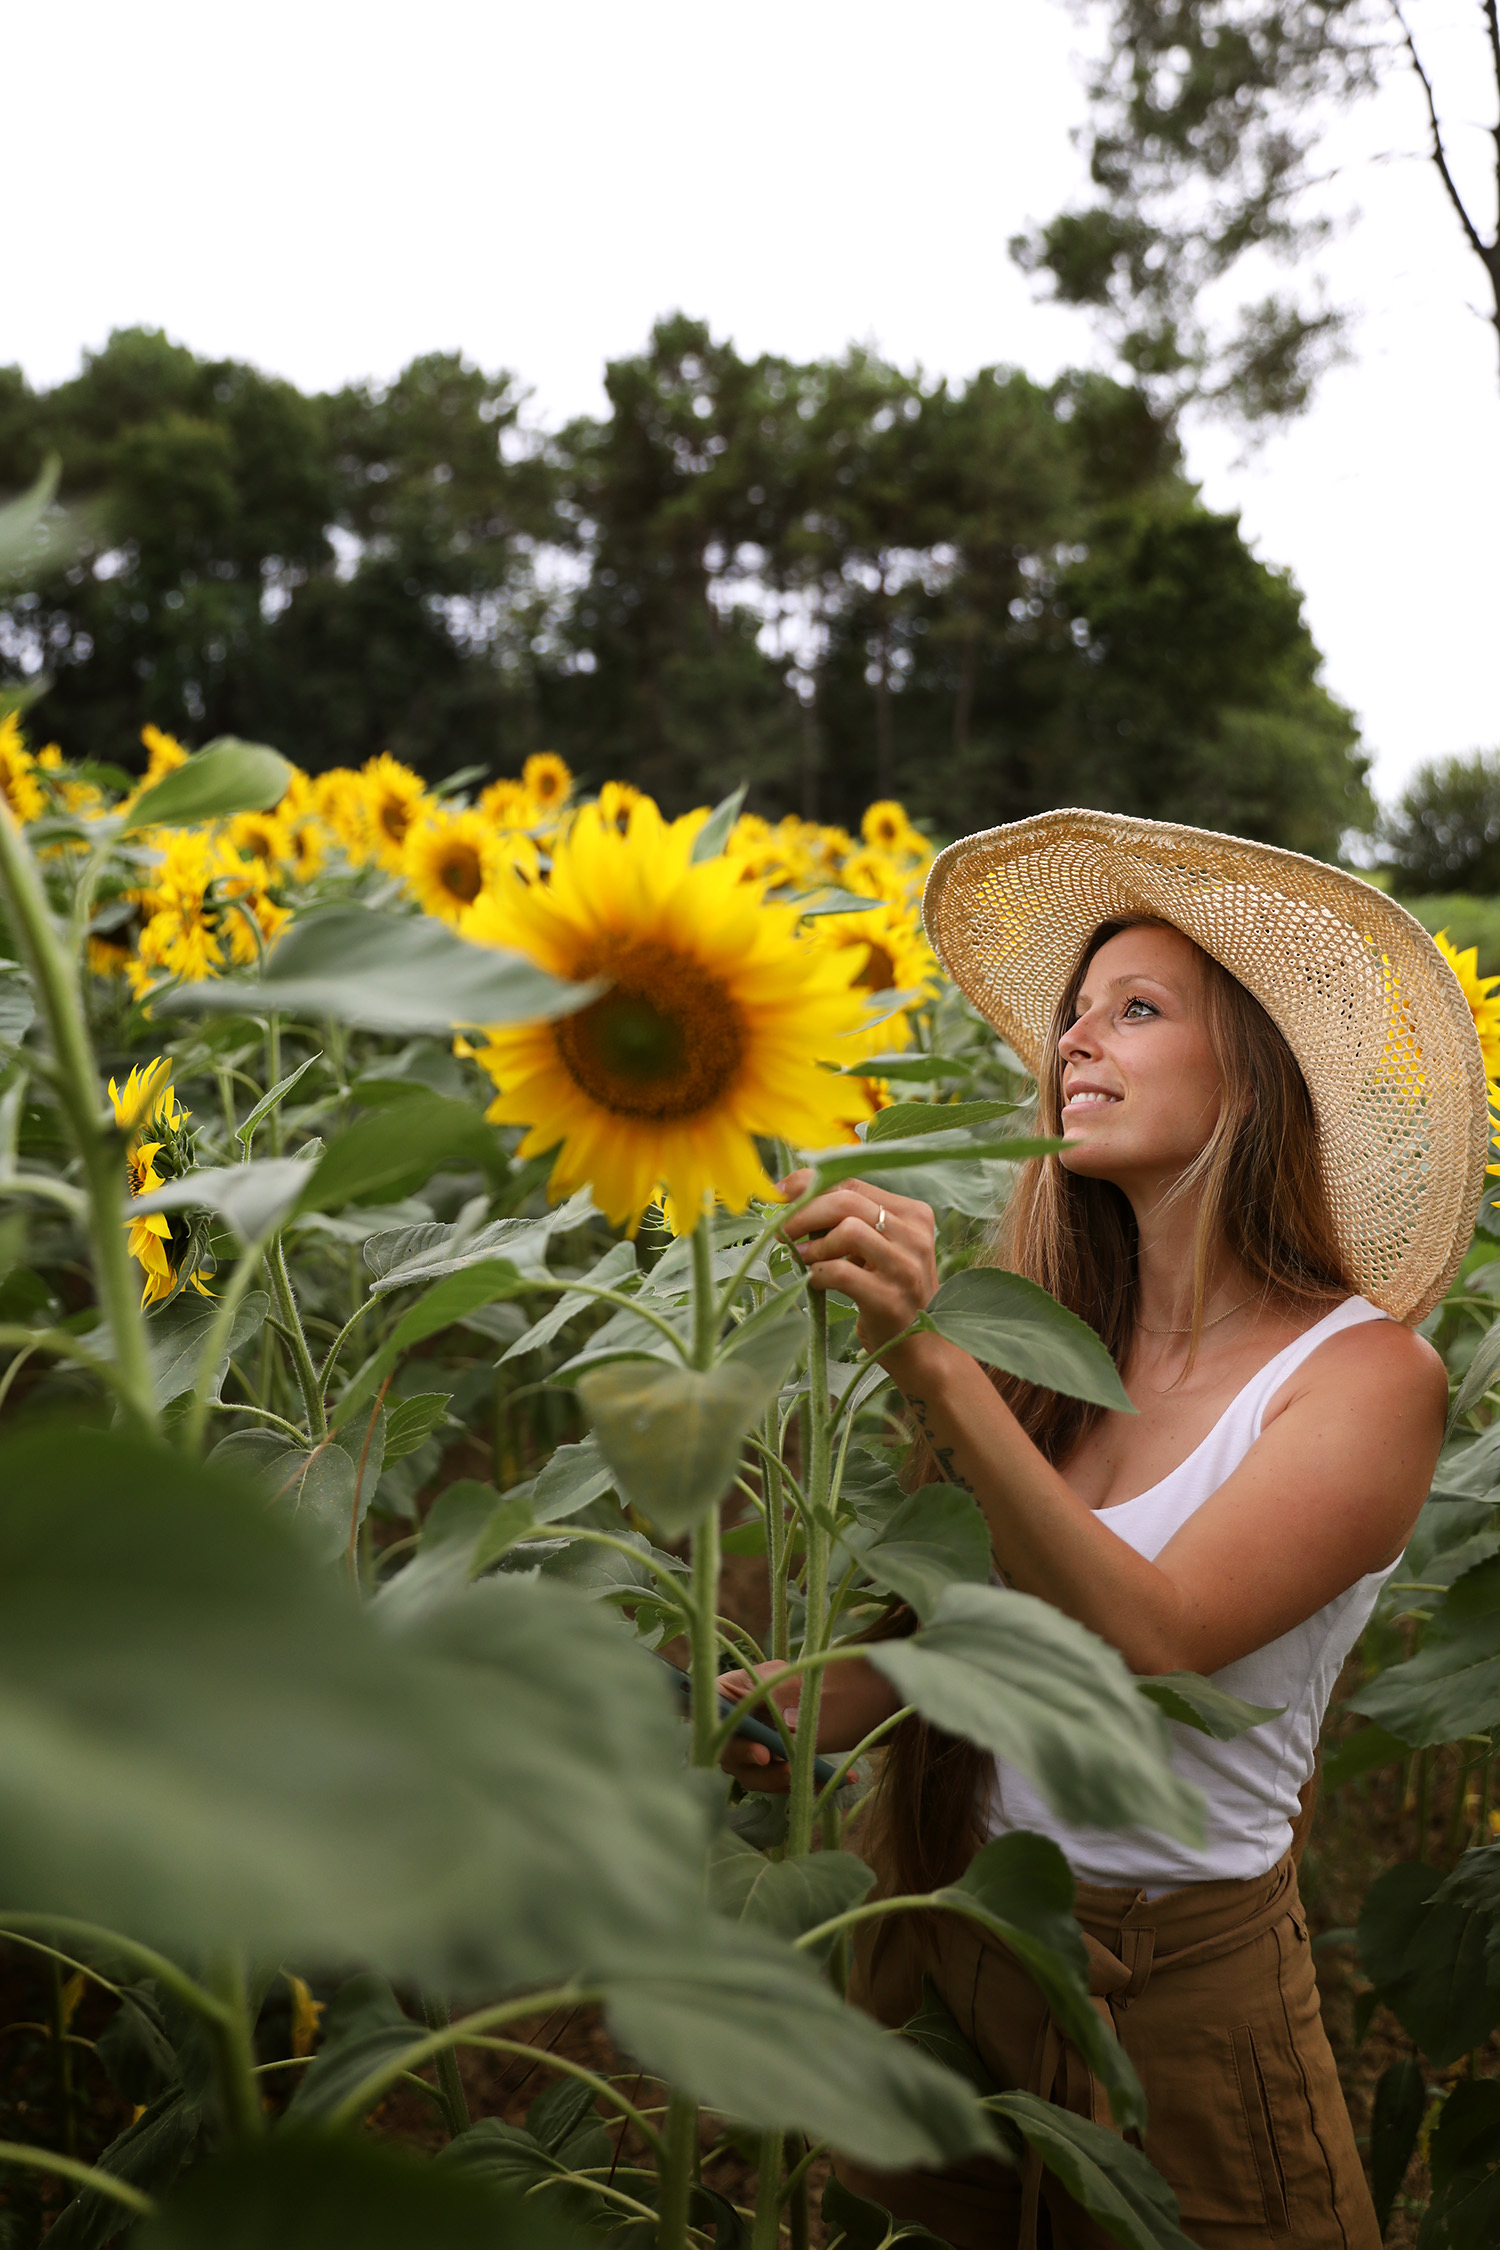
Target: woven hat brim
{"type": "Point", "coordinates": [1371, 1010]}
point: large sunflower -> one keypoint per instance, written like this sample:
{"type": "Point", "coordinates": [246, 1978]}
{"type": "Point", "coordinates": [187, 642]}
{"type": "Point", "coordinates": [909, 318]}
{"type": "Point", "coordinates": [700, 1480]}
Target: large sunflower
{"type": "Point", "coordinates": [711, 1032]}
{"type": "Point", "coordinates": [1483, 996]}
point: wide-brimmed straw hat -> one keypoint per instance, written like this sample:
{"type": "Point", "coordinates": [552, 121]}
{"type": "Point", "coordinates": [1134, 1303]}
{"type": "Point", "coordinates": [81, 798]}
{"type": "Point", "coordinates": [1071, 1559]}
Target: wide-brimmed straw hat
{"type": "Point", "coordinates": [1363, 997]}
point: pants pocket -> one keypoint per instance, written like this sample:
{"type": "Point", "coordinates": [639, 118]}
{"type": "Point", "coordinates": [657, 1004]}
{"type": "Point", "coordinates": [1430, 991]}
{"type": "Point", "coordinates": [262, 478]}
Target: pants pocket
{"type": "Point", "coordinates": [1258, 2125]}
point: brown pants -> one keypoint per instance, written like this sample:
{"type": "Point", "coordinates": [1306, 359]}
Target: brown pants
{"type": "Point", "coordinates": [1212, 1994]}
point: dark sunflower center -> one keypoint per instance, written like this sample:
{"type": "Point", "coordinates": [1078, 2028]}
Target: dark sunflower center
{"type": "Point", "coordinates": [395, 818]}
{"type": "Point", "coordinates": [461, 873]}
{"type": "Point", "coordinates": [664, 1042]}
{"type": "Point", "coordinates": [879, 971]}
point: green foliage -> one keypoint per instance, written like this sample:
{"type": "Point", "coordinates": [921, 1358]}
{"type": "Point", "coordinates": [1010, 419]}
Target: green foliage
{"type": "Point", "coordinates": [1444, 833]}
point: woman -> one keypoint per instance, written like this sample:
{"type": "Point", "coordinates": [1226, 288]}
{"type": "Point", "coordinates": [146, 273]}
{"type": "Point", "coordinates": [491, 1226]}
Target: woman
{"type": "Point", "coordinates": [1275, 1122]}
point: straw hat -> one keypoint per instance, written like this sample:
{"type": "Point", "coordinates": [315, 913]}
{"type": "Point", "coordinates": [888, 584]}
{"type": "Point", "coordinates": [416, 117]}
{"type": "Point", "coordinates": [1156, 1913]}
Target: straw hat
{"type": "Point", "coordinates": [1369, 1007]}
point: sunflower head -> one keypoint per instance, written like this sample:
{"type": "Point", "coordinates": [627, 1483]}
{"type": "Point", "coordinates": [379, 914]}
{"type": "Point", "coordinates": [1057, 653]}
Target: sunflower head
{"type": "Point", "coordinates": [712, 1032]}
{"type": "Point", "coordinates": [164, 754]}
{"type": "Point", "coordinates": [22, 792]}
{"type": "Point", "coordinates": [393, 797]}
{"type": "Point", "coordinates": [547, 781]}
{"type": "Point", "coordinates": [887, 827]}
{"type": "Point", "coordinates": [507, 804]}
{"type": "Point", "coordinates": [617, 802]}
{"type": "Point", "coordinates": [452, 858]}
{"type": "Point", "coordinates": [1483, 996]}
{"type": "Point", "coordinates": [147, 1098]}
{"type": "Point", "coordinates": [262, 838]}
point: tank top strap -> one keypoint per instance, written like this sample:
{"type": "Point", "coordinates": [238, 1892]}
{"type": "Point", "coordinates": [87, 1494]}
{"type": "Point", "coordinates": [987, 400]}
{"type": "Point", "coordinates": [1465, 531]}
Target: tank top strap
{"type": "Point", "coordinates": [1249, 1407]}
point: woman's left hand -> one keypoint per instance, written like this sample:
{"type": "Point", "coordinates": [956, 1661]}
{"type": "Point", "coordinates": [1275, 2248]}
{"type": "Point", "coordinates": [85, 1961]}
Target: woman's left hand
{"type": "Point", "coordinates": [875, 1247]}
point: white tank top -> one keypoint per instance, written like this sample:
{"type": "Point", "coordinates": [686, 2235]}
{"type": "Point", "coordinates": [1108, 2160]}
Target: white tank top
{"type": "Point", "coordinates": [1249, 1786]}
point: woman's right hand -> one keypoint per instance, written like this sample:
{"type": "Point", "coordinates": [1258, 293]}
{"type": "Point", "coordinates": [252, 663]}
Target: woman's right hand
{"type": "Point", "coordinates": [855, 1699]}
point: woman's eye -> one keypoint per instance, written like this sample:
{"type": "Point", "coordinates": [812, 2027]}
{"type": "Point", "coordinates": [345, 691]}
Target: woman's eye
{"type": "Point", "coordinates": [1132, 1005]}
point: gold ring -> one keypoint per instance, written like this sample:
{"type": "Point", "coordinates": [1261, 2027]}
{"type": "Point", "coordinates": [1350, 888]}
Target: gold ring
{"type": "Point", "coordinates": [880, 1220]}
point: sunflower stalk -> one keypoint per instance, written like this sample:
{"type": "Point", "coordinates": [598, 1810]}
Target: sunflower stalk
{"type": "Point", "coordinates": [675, 2180]}
{"type": "Point", "coordinates": [302, 1360]}
{"type": "Point", "coordinates": [55, 976]}
{"type": "Point", "coordinates": [704, 1600]}
{"type": "Point", "coordinates": [819, 1542]}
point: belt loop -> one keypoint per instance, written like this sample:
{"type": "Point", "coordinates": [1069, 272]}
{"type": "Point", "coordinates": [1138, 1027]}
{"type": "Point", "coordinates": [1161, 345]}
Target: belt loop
{"type": "Point", "coordinates": [1138, 1952]}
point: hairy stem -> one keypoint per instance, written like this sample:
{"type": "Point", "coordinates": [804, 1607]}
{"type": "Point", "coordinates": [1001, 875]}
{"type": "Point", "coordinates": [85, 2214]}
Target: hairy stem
{"type": "Point", "coordinates": [306, 1373]}
{"type": "Point", "coordinates": [675, 2180]}
{"type": "Point", "coordinates": [800, 1805]}
{"type": "Point", "coordinates": [450, 2084]}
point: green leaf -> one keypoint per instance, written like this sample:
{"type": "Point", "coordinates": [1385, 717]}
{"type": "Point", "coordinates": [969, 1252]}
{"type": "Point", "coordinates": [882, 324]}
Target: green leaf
{"type": "Point", "coordinates": [1426, 1958]}
{"type": "Point", "coordinates": [385, 972]}
{"type": "Point", "coordinates": [757, 2033]}
{"type": "Point", "coordinates": [1360, 1753]}
{"type": "Point", "coordinates": [1395, 2121]}
{"type": "Point", "coordinates": [1470, 1471]}
{"type": "Point", "coordinates": [228, 777]}
{"type": "Point", "coordinates": [1116, 2185]}
{"type": "Point", "coordinates": [906, 1119]}
{"type": "Point", "coordinates": [715, 833]}
{"type": "Point", "coordinates": [1198, 1703]}
{"type": "Point", "coordinates": [786, 1897]}
{"type": "Point", "coordinates": [17, 1008]}
{"type": "Point", "coordinates": [245, 1133]}
{"type": "Point", "coordinates": [366, 2023]}
{"type": "Point", "coordinates": [615, 1268]}
{"type": "Point", "coordinates": [1451, 1687]}
{"type": "Point", "coordinates": [575, 1475]}
{"type": "Point", "coordinates": [363, 1438]}
{"type": "Point", "coordinates": [314, 1489]}
{"type": "Point", "coordinates": [425, 1253]}
{"type": "Point", "coordinates": [390, 1152]}
{"type": "Point", "coordinates": [935, 1538]}
{"type": "Point", "coordinates": [1016, 1676]}
{"type": "Point", "coordinates": [304, 2192]}
{"type": "Point", "coordinates": [177, 1337]}
{"type": "Point", "coordinates": [446, 1302]}
{"type": "Point", "coordinates": [1010, 1323]}
{"type": "Point", "coordinates": [935, 2030]}
{"type": "Point", "coordinates": [865, 1161]}
{"type": "Point", "coordinates": [1483, 1369]}
{"type": "Point", "coordinates": [412, 1422]}
{"type": "Point", "coordinates": [916, 1070]}
{"type": "Point", "coordinates": [506, 1523]}
{"type": "Point", "coordinates": [1463, 2155]}
{"type": "Point", "coordinates": [443, 1563]}
{"type": "Point", "coordinates": [254, 1199]}
{"type": "Point", "coordinates": [204, 1742]}
{"type": "Point", "coordinates": [673, 1435]}
{"type": "Point", "coordinates": [864, 2225]}
{"type": "Point", "coordinates": [830, 900]}
{"type": "Point", "coordinates": [1026, 1889]}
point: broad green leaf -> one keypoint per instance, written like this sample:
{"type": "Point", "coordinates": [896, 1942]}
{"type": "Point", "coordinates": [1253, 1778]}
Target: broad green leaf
{"type": "Point", "coordinates": [1451, 1687]}
{"type": "Point", "coordinates": [412, 1422]}
{"type": "Point", "coordinates": [1483, 1370]}
{"type": "Point", "coordinates": [365, 2024]}
{"type": "Point", "coordinates": [427, 1252]}
{"type": "Point", "coordinates": [362, 1437]}
{"type": "Point", "coordinates": [866, 1161]}
{"type": "Point", "coordinates": [934, 2029]}
{"type": "Point", "coordinates": [1114, 2182]}
{"type": "Point", "coordinates": [177, 1338]}
{"type": "Point", "coordinates": [753, 2031]}
{"type": "Point", "coordinates": [303, 2191]}
{"type": "Point", "coordinates": [315, 1489]}
{"type": "Point", "coordinates": [204, 1742]}
{"type": "Point", "coordinates": [1198, 1703]}
{"type": "Point", "coordinates": [1364, 1752]}
{"type": "Point", "coordinates": [864, 2225]}
{"type": "Point", "coordinates": [673, 1435]}
{"type": "Point", "coordinates": [771, 1337]}
{"type": "Point", "coordinates": [1395, 2121]}
{"type": "Point", "coordinates": [787, 1897]}
{"type": "Point", "coordinates": [385, 972]}
{"type": "Point", "coordinates": [253, 1199]}
{"type": "Point", "coordinates": [1016, 1676]}
{"type": "Point", "coordinates": [909, 1069]}
{"type": "Point", "coordinates": [906, 1119]}
{"type": "Point", "coordinates": [974, 1191]}
{"type": "Point", "coordinates": [829, 900]}
{"type": "Point", "coordinates": [1025, 1888]}
{"type": "Point", "coordinates": [1010, 1323]}
{"type": "Point", "coordinates": [446, 1302]}
{"type": "Point", "coordinates": [716, 830]}
{"type": "Point", "coordinates": [1463, 2155]}
{"type": "Point", "coordinates": [575, 1475]}
{"type": "Point", "coordinates": [245, 1133]}
{"type": "Point", "coordinates": [615, 1268]}
{"type": "Point", "coordinates": [935, 1538]}
{"type": "Point", "coordinates": [1426, 1958]}
{"type": "Point", "coordinates": [228, 777]}
{"type": "Point", "coordinates": [17, 1007]}
{"type": "Point", "coordinates": [444, 1561]}
{"type": "Point", "coordinates": [1471, 1470]}
{"type": "Point", "coordinates": [506, 1523]}
{"type": "Point", "coordinates": [624, 1336]}
{"type": "Point", "coordinates": [391, 1152]}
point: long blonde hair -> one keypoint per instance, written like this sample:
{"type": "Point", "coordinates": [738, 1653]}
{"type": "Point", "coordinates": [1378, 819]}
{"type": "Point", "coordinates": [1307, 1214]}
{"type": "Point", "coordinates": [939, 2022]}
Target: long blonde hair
{"type": "Point", "coordinates": [1261, 1196]}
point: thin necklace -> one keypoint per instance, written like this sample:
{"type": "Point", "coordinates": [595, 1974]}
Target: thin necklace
{"type": "Point", "coordinates": [1218, 1316]}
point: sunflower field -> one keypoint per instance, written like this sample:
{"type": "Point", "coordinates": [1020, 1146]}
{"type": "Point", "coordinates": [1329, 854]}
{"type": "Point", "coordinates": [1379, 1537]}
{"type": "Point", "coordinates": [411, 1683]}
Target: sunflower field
{"type": "Point", "coordinates": [412, 1406]}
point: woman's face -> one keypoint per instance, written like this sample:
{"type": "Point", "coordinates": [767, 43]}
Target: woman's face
{"type": "Point", "coordinates": [1140, 1087]}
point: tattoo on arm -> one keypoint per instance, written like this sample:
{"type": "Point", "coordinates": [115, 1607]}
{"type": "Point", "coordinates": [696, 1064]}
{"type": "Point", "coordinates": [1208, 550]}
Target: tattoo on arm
{"type": "Point", "coordinates": [942, 1453]}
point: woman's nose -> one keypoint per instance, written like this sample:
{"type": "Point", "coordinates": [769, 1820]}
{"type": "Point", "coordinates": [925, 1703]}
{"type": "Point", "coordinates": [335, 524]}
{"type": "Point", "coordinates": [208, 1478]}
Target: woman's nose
{"type": "Point", "coordinates": [1079, 1040]}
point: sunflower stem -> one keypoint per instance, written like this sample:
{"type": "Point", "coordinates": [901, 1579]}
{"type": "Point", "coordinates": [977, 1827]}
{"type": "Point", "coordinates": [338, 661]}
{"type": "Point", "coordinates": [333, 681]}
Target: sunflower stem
{"type": "Point", "coordinates": [54, 973]}
{"type": "Point", "coordinates": [703, 1631]}
{"type": "Point", "coordinates": [274, 1076]}
{"type": "Point", "coordinates": [815, 1631]}
{"type": "Point", "coordinates": [705, 1310]}
{"type": "Point", "coordinates": [776, 1536]}
{"type": "Point", "coordinates": [766, 2233]}
{"type": "Point", "coordinates": [675, 2180]}
{"type": "Point", "coordinates": [307, 1374]}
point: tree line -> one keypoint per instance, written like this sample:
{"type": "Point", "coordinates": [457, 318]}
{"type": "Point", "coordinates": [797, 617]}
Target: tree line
{"type": "Point", "coordinates": [836, 579]}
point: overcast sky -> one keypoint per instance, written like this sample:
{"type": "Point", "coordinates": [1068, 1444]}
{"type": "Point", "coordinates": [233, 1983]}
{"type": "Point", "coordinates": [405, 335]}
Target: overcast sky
{"type": "Point", "coordinates": [328, 190]}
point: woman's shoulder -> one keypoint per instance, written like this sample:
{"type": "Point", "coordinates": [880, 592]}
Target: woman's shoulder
{"type": "Point", "coordinates": [1382, 1362]}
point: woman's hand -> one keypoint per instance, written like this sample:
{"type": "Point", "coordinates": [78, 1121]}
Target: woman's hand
{"type": "Point", "coordinates": [889, 1268]}
{"type": "Point", "coordinates": [855, 1699]}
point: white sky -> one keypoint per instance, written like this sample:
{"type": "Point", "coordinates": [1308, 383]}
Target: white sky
{"type": "Point", "coordinates": [328, 189]}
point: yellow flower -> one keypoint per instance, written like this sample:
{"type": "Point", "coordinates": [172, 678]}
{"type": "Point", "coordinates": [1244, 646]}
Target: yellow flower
{"type": "Point", "coordinates": [148, 1105]}
{"type": "Point", "coordinates": [148, 1094]}
{"type": "Point", "coordinates": [1481, 994]}
{"type": "Point", "coordinates": [264, 839]}
{"type": "Point", "coordinates": [507, 805]}
{"type": "Point", "coordinates": [179, 936]}
{"type": "Point", "coordinates": [887, 827]}
{"type": "Point", "coordinates": [547, 781]}
{"type": "Point", "coordinates": [893, 956]}
{"type": "Point", "coordinates": [149, 1237]}
{"type": "Point", "coordinates": [19, 787]}
{"type": "Point", "coordinates": [450, 858]}
{"type": "Point", "coordinates": [164, 753]}
{"type": "Point", "coordinates": [393, 796]}
{"type": "Point", "coordinates": [617, 802]}
{"type": "Point", "coordinates": [340, 801]}
{"type": "Point", "coordinates": [307, 2015]}
{"type": "Point", "coordinates": [711, 1032]}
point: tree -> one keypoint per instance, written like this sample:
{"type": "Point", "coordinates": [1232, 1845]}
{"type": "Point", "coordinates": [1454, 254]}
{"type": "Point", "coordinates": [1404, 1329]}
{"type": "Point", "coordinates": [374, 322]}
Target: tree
{"type": "Point", "coordinates": [1444, 834]}
{"type": "Point", "coordinates": [1202, 147]}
